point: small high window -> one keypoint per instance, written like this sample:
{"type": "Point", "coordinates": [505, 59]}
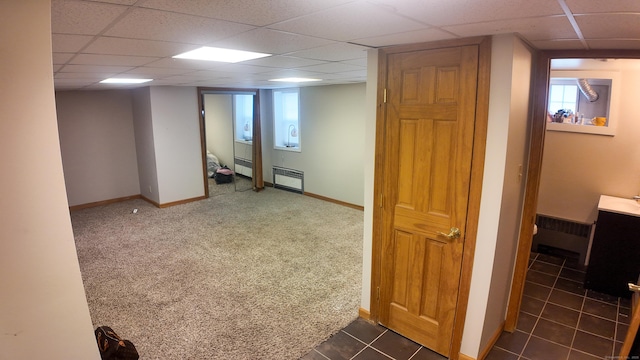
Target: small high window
{"type": "Point", "coordinates": [286, 119]}
{"type": "Point", "coordinates": [563, 97]}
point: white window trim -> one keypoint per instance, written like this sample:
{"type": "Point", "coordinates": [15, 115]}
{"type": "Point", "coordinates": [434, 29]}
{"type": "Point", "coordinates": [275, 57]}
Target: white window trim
{"type": "Point", "coordinates": [297, 128]}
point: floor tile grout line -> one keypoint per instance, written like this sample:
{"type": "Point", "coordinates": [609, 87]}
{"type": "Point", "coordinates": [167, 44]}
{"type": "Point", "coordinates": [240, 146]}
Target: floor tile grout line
{"type": "Point", "coordinates": [539, 316]}
{"type": "Point", "coordinates": [356, 338]}
{"type": "Point", "coordinates": [575, 331]}
{"type": "Point", "coordinates": [615, 331]}
{"type": "Point", "coordinates": [321, 354]}
{"type": "Point", "coordinates": [369, 345]}
{"type": "Point", "coordinates": [573, 293]}
{"type": "Point", "coordinates": [415, 352]}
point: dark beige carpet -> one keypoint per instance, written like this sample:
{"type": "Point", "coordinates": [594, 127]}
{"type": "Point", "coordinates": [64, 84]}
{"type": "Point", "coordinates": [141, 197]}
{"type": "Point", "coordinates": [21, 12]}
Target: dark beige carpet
{"type": "Point", "coordinates": [241, 275]}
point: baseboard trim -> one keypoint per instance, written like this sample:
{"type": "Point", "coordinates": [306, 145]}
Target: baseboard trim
{"type": "Point", "coordinates": [180, 202]}
{"type": "Point", "coordinates": [462, 356]}
{"type": "Point", "coordinates": [150, 201]}
{"type": "Point", "coordinates": [104, 202]}
{"type": "Point", "coordinates": [365, 314]}
{"type": "Point", "coordinates": [320, 197]}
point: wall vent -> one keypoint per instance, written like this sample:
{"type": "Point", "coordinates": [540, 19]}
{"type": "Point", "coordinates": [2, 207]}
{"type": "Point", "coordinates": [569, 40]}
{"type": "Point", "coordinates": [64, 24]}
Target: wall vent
{"type": "Point", "coordinates": [288, 179]}
{"type": "Point", "coordinates": [242, 166]}
{"type": "Point", "coordinates": [565, 238]}
{"type": "Point", "coordinates": [563, 226]}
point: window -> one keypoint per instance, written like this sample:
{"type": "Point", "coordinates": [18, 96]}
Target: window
{"type": "Point", "coordinates": [243, 117]}
{"type": "Point", "coordinates": [563, 97]}
{"type": "Point", "coordinates": [583, 101]}
{"type": "Point", "coordinates": [286, 119]}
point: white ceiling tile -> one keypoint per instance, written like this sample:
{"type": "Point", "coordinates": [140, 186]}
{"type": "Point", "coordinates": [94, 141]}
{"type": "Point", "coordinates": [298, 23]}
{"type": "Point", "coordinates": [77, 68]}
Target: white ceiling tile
{"type": "Point", "coordinates": [410, 37]}
{"type": "Point", "coordinates": [119, 60]}
{"type": "Point", "coordinates": [624, 44]}
{"type": "Point", "coordinates": [162, 72]}
{"type": "Point", "coordinates": [86, 76]}
{"type": "Point", "coordinates": [359, 62]}
{"type": "Point", "coordinates": [103, 38]}
{"type": "Point", "coordinates": [270, 41]}
{"type": "Point", "coordinates": [559, 44]}
{"type": "Point", "coordinates": [333, 52]}
{"type": "Point", "coordinates": [555, 27]}
{"type": "Point", "coordinates": [359, 75]}
{"type": "Point", "coordinates": [121, 2]}
{"type": "Point", "coordinates": [258, 13]}
{"type": "Point", "coordinates": [183, 64]}
{"type": "Point", "coordinates": [167, 26]}
{"type": "Point", "coordinates": [82, 17]}
{"type": "Point", "coordinates": [61, 58]}
{"type": "Point", "coordinates": [242, 68]}
{"type": "Point", "coordinates": [69, 43]}
{"type": "Point", "coordinates": [95, 69]}
{"type": "Point", "coordinates": [614, 26]}
{"type": "Point", "coordinates": [289, 73]}
{"type": "Point", "coordinates": [585, 7]}
{"type": "Point", "coordinates": [347, 22]}
{"type": "Point", "coordinates": [135, 47]}
{"type": "Point", "coordinates": [453, 12]}
{"type": "Point", "coordinates": [68, 84]}
{"type": "Point", "coordinates": [284, 62]}
{"type": "Point", "coordinates": [332, 67]}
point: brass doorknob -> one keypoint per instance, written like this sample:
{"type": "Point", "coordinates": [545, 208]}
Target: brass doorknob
{"type": "Point", "coordinates": [454, 234]}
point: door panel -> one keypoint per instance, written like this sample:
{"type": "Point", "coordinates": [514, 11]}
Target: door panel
{"type": "Point", "coordinates": [429, 139]}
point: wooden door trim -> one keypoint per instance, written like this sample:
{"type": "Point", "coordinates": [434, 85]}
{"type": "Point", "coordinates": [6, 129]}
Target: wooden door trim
{"type": "Point", "coordinates": [477, 169]}
{"type": "Point", "coordinates": [534, 168]}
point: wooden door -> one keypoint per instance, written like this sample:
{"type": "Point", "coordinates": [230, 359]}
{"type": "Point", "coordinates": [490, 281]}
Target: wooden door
{"type": "Point", "coordinates": [429, 132]}
{"type": "Point", "coordinates": [629, 346]}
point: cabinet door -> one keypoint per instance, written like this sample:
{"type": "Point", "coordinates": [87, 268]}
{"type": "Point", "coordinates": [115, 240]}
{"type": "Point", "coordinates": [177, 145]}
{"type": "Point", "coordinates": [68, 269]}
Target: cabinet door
{"type": "Point", "coordinates": [615, 254]}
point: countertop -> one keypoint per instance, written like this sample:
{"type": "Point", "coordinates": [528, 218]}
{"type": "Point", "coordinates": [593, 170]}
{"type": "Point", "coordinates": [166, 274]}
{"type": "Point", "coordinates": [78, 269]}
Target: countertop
{"type": "Point", "coordinates": [619, 205]}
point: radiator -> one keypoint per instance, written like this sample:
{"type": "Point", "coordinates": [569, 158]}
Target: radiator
{"type": "Point", "coordinates": [242, 166]}
{"type": "Point", "coordinates": [564, 237]}
{"type": "Point", "coordinates": [288, 179]}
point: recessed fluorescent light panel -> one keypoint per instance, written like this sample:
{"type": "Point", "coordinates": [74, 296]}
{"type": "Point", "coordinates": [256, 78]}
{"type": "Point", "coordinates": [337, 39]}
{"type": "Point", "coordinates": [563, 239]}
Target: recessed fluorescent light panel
{"type": "Point", "coordinates": [124, 81]}
{"type": "Point", "coordinates": [219, 54]}
{"type": "Point", "coordinates": [295, 79]}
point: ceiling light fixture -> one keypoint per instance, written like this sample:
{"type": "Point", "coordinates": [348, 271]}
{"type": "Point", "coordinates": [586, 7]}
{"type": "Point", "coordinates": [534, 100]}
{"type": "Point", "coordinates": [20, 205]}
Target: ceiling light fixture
{"type": "Point", "coordinates": [124, 81]}
{"type": "Point", "coordinates": [295, 79]}
{"type": "Point", "coordinates": [219, 54]}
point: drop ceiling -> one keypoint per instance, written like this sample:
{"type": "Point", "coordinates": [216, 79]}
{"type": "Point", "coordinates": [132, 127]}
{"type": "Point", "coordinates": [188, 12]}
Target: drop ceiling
{"type": "Point", "coordinates": [326, 39]}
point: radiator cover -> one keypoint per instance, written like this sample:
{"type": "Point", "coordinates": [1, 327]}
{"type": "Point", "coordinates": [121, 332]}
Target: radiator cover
{"type": "Point", "coordinates": [288, 179]}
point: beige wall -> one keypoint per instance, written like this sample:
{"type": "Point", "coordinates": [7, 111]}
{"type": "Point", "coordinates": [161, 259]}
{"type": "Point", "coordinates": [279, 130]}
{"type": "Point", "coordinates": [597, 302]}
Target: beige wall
{"type": "Point", "coordinates": [332, 125]}
{"type": "Point", "coordinates": [176, 136]}
{"type": "Point", "coordinates": [98, 145]}
{"type": "Point", "coordinates": [145, 147]}
{"type": "Point", "coordinates": [43, 311]}
{"type": "Point", "coordinates": [219, 126]}
{"type": "Point", "coordinates": [577, 168]}
{"type": "Point", "coordinates": [502, 192]}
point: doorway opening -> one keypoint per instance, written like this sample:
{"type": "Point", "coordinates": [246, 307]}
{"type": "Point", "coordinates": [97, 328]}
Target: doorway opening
{"type": "Point", "coordinates": [230, 135]}
{"type": "Point", "coordinates": [537, 140]}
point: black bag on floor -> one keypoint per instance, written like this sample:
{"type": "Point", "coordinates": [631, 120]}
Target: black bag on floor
{"type": "Point", "coordinates": [223, 175]}
{"type": "Point", "coordinates": [112, 347]}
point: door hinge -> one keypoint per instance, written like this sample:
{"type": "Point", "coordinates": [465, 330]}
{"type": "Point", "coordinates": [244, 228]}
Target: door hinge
{"type": "Point", "coordinates": [378, 293]}
{"type": "Point", "coordinates": [384, 96]}
{"type": "Point", "coordinates": [381, 200]}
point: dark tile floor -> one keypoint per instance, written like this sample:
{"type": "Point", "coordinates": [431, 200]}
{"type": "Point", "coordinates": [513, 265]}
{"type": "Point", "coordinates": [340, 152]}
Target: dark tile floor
{"type": "Point", "coordinates": [559, 319]}
{"type": "Point", "coordinates": [362, 340]}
